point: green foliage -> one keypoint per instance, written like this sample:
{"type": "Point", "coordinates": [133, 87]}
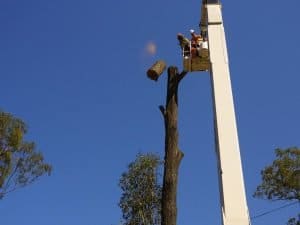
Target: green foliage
{"type": "Point", "coordinates": [20, 163]}
{"type": "Point", "coordinates": [281, 180]}
{"type": "Point", "coordinates": [141, 191]}
{"type": "Point", "coordinates": [294, 221]}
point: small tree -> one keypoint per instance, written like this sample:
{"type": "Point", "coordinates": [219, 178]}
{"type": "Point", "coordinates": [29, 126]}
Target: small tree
{"type": "Point", "coordinates": [141, 198]}
{"type": "Point", "coordinates": [281, 180]}
{"type": "Point", "coordinates": [20, 163]}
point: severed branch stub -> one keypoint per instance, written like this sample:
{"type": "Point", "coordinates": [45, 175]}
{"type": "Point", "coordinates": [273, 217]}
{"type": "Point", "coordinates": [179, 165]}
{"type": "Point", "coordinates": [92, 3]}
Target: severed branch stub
{"type": "Point", "coordinates": [156, 70]}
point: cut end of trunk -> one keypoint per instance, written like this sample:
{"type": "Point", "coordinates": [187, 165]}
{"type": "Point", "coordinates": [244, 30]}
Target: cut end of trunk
{"type": "Point", "coordinates": [156, 70]}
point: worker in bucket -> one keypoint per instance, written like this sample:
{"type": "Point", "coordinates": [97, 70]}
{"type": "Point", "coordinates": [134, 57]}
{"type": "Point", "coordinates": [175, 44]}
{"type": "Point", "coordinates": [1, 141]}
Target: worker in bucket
{"type": "Point", "coordinates": [184, 44]}
{"type": "Point", "coordinates": [196, 43]}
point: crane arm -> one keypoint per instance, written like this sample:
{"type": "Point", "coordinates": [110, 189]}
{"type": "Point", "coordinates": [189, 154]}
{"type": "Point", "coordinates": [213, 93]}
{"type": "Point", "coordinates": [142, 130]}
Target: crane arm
{"type": "Point", "coordinates": [231, 182]}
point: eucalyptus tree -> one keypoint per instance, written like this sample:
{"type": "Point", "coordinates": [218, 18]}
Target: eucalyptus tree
{"type": "Point", "coordinates": [141, 191]}
{"type": "Point", "coordinates": [281, 179]}
{"type": "Point", "coordinates": [20, 163]}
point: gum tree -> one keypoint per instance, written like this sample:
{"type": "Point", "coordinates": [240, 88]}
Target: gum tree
{"type": "Point", "coordinates": [141, 191]}
{"type": "Point", "coordinates": [281, 179]}
{"type": "Point", "coordinates": [20, 163]}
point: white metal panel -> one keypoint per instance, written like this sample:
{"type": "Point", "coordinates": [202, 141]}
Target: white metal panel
{"type": "Point", "coordinates": [232, 191]}
{"type": "Point", "coordinates": [215, 14]}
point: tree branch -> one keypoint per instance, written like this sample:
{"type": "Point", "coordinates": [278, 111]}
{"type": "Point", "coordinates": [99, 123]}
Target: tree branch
{"type": "Point", "coordinates": [162, 110]}
{"type": "Point", "coordinates": [181, 75]}
{"type": "Point", "coordinates": [10, 177]}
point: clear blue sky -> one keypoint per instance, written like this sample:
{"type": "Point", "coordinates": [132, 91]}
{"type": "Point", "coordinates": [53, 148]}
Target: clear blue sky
{"type": "Point", "coordinates": [75, 72]}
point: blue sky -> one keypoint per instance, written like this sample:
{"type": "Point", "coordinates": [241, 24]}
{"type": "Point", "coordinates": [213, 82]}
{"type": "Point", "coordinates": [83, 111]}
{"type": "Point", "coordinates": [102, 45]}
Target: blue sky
{"type": "Point", "coordinates": [75, 71]}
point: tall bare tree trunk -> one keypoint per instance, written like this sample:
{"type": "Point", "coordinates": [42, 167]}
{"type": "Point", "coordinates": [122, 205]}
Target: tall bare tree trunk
{"type": "Point", "coordinates": [173, 155]}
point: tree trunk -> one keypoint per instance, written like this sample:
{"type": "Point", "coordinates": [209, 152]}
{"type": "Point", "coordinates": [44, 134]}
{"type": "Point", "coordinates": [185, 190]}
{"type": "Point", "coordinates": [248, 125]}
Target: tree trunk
{"type": "Point", "coordinates": [173, 155]}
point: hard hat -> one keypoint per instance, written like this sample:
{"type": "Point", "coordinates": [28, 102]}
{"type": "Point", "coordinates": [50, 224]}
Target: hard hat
{"type": "Point", "coordinates": [192, 31]}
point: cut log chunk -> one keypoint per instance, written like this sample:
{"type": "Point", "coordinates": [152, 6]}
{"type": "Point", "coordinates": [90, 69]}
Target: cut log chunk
{"type": "Point", "coordinates": [156, 70]}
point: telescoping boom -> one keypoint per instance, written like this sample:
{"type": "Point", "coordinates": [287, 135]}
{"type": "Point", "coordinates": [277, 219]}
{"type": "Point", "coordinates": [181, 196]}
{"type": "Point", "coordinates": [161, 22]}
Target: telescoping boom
{"type": "Point", "coordinates": [231, 182]}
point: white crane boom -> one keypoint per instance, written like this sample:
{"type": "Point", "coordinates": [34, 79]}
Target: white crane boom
{"type": "Point", "coordinates": [232, 191]}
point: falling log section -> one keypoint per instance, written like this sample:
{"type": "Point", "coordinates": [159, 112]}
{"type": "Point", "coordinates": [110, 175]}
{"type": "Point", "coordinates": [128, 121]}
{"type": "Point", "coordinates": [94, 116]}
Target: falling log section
{"type": "Point", "coordinates": [156, 70]}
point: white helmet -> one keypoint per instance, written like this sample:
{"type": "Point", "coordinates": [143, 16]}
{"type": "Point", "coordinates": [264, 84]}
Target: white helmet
{"type": "Point", "coordinates": [192, 31]}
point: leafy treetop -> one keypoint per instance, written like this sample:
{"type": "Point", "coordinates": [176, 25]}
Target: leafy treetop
{"type": "Point", "coordinates": [20, 163]}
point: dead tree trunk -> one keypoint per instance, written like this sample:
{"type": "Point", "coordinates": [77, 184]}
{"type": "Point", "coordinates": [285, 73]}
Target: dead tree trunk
{"type": "Point", "coordinates": [173, 155]}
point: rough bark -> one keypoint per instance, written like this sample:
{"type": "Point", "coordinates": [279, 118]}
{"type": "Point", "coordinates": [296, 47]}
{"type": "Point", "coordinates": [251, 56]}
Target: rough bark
{"type": "Point", "coordinates": [173, 155]}
{"type": "Point", "coordinates": [156, 70]}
